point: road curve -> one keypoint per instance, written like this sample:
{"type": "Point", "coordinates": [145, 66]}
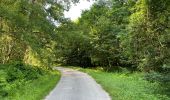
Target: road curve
{"type": "Point", "coordinates": [76, 85]}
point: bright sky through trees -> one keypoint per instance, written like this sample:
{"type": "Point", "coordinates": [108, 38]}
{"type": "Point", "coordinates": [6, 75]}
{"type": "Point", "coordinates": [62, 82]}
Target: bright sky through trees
{"type": "Point", "coordinates": [75, 10]}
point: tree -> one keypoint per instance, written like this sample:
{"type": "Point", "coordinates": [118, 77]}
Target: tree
{"type": "Point", "coordinates": [28, 28]}
{"type": "Point", "coordinates": [105, 24]}
{"type": "Point", "coordinates": [74, 46]}
{"type": "Point", "coordinates": [147, 32]}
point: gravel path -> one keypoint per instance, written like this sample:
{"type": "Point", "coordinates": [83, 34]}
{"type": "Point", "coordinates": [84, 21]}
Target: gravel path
{"type": "Point", "coordinates": [76, 85]}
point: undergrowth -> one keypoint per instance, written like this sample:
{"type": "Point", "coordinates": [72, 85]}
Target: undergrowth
{"type": "Point", "coordinates": [24, 82]}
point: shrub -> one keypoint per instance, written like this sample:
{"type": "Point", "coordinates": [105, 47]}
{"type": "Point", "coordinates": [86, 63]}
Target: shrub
{"type": "Point", "coordinates": [15, 74]}
{"type": "Point", "coordinates": [3, 83]}
{"type": "Point", "coordinates": [158, 77]}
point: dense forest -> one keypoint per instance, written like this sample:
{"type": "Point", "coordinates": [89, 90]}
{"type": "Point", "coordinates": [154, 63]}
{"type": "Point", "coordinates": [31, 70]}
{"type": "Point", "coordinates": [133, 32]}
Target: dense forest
{"type": "Point", "coordinates": [114, 34]}
{"type": "Point", "coordinates": [125, 33]}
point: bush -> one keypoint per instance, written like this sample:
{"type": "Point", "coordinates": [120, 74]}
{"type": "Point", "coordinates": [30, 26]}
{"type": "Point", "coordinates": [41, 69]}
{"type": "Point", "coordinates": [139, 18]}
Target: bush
{"type": "Point", "coordinates": [19, 71]}
{"type": "Point", "coordinates": [158, 77]}
{"type": "Point", "coordinates": [15, 74]}
{"type": "Point", "coordinates": [3, 83]}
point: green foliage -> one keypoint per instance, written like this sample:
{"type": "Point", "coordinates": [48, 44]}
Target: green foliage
{"type": "Point", "coordinates": [15, 75]}
{"type": "Point", "coordinates": [19, 81]}
{"type": "Point", "coordinates": [74, 46]}
{"type": "Point", "coordinates": [3, 83]}
{"type": "Point", "coordinates": [19, 71]}
{"type": "Point", "coordinates": [147, 46]}
{"type": "Point", "coordinates": [28, 26]}
{"type": "Point", "coordinates": [126, 33]}
{"type": "Point", "coordinates": [158, 77]}
{"type": "Point", "coordinates": [36, 89]}
{"type": "Point", "coordinates": [122, 33]}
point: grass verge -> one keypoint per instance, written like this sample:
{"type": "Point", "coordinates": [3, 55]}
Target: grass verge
{"type": "Point", "coordinates": [25, 82]}
{"type": "Point", "coordinates": [126, 86]}
{"type": "Point", "coordinates": [37, 89]}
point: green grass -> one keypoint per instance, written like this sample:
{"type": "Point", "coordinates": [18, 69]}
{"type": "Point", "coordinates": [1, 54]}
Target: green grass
{"type": "Point", "coordinates": [24, 82]}
{"type": "Point", "coordinates": [124, 86]}
{"type": "Point", "coordinates": [36, 89]}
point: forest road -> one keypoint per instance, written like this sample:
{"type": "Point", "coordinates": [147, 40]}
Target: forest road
{"type": "Point", "coordinates": [76, 85]}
